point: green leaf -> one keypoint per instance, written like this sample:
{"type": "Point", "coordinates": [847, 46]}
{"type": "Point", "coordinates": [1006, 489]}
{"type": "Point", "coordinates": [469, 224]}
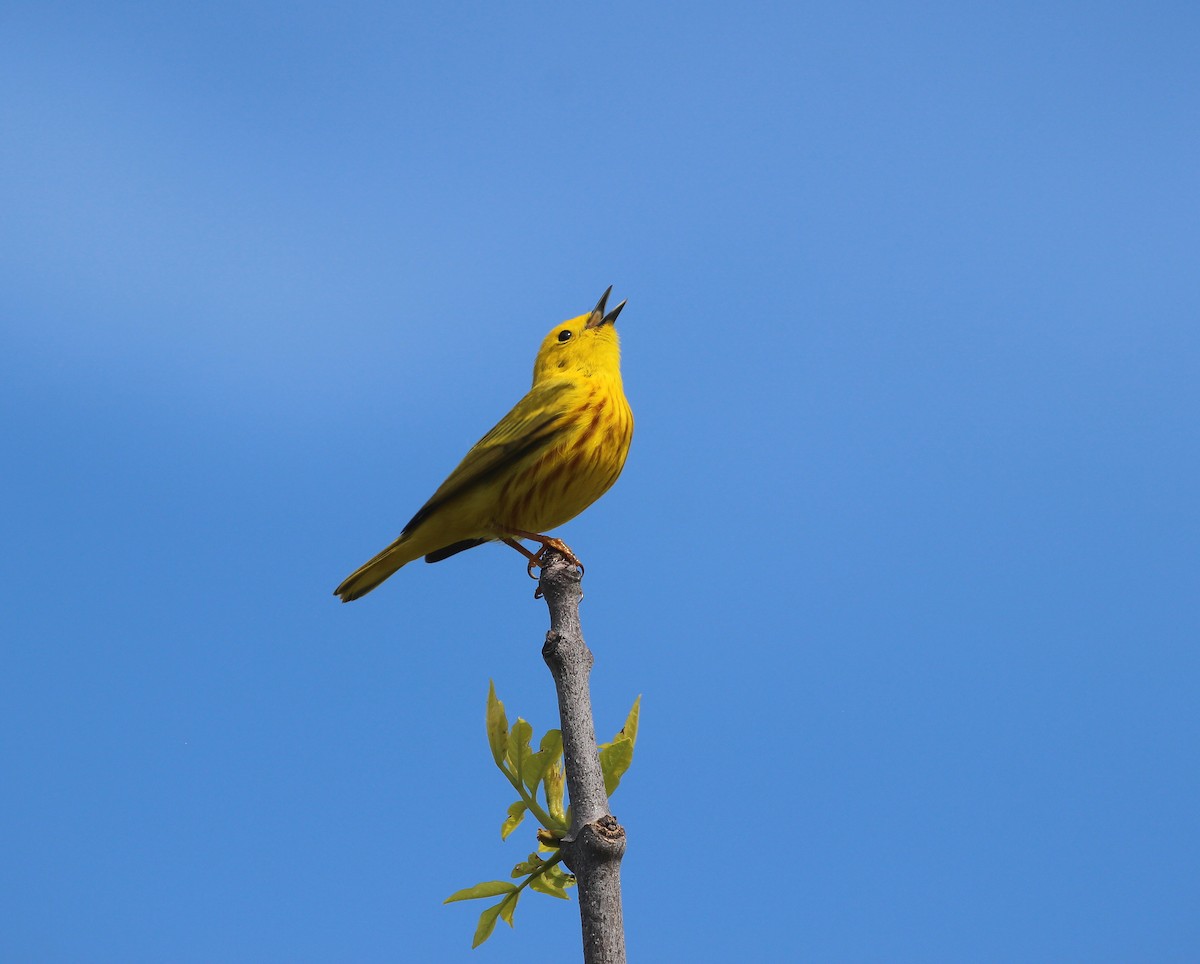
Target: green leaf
{"type": "Point", "coordinates": [516, 813]}
{"type": "Point", "coordinates": [497, 726]}
{"type": "Point", "coordinates": [508, 905]}
{"type": "Point", "coordinates": [487, 924]}
{"type": "Point", "coordinates": [615, 759]}
{"type": "Point", "coordinates": [629, 730]}
{"type": "Point", "coordinates": [548, 752]}
{"type": "Point", "coordinates": [553, 882]}
{"type": "Point", "coordinates": [526, 867]}
{"type": "Point", "coordinates": [555, 782]}
{"type": "Point", "coordinates": [616, 756]}
{"type": "Point", "coordinates": [518, 745]}
{"type": "Point", "coordinates": [490, 888]}
{"type": "Point", "coordinates": [563, 878]}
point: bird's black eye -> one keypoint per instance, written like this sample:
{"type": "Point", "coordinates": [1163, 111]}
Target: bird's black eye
{"type": "Point", "coordinates": [564, 335]}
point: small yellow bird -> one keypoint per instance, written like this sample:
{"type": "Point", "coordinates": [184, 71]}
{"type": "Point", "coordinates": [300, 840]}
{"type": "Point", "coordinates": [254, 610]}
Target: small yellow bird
{"type": "Point", "coordinates": [560, 448]}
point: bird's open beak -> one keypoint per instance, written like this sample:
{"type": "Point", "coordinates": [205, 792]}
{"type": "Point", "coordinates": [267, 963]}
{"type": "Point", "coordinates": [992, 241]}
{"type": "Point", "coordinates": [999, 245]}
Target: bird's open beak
{"type": "Point", "coordinates": [598, 317]}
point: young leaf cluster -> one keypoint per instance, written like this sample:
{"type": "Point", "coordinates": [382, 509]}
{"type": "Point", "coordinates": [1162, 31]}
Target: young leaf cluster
{"type": "Point", "coordinates": [532, 773]}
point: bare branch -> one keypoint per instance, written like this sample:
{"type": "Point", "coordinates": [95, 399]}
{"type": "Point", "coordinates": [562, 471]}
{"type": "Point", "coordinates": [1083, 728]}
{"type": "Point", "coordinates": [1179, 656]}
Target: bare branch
{"type": "Point", "coordinates": [596, 842]}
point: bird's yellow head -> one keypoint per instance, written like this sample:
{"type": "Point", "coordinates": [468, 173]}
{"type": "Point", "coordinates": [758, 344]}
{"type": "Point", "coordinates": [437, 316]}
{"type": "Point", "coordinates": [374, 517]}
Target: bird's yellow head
{"type": "Point", "coordinates": [586, 345]}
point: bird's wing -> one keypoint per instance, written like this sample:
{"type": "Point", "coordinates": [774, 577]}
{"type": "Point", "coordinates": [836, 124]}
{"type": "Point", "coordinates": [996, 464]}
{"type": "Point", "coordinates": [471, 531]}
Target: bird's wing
{"type": "Point", "coordinates": [534, 423]}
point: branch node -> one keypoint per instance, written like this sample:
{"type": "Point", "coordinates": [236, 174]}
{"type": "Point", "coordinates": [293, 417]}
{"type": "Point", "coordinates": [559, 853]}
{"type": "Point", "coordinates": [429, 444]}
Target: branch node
{"type": "Point", "coordinates": [600, 842]}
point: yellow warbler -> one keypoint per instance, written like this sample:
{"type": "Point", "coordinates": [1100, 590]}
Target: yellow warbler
{"type": "Point", "coordinates": [560, 448]}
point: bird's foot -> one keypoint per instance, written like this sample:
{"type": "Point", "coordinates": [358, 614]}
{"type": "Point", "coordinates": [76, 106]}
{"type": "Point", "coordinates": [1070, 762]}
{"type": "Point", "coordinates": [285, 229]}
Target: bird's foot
{"type": "Point", "coordinates": [562, 549]}
{"type": "Point", "coordinates": [547, 542]}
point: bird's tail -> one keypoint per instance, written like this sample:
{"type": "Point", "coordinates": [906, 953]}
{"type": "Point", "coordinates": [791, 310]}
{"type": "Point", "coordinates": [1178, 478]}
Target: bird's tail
{"type": "Point", "coordinates": [369, 575]}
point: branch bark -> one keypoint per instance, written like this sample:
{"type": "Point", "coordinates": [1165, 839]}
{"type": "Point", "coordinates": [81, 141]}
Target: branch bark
{"type": "Point", "coordinates": [596, 842]}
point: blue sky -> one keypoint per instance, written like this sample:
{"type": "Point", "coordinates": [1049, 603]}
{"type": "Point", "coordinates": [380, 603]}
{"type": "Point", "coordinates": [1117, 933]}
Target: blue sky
{"type": "Point", "coordinates": [903, 562]}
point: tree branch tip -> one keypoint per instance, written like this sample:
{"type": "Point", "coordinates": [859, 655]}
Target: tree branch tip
{"type": "Point", "coordinates": [558, 570]}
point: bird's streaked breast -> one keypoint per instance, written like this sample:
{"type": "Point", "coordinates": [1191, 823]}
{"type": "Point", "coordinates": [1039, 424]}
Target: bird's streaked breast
{"type": "Point", "coordinates": [583, 464]}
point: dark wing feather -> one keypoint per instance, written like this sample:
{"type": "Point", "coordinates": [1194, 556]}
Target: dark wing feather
{"type": "Point", "coordinates": [458, 547]}
{"type": "Point", "coordinates": [534, 423]}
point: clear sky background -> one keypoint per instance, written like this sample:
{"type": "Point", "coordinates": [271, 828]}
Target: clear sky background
{"type": "Point", "coordinates": [904, 561]}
